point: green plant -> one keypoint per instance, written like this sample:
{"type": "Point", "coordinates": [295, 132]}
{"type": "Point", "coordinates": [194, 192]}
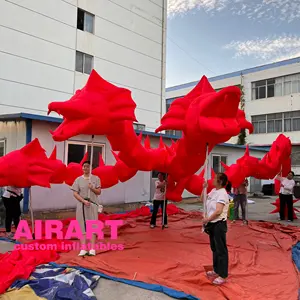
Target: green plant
{"type": "Point", "coordinates": [242, 136]}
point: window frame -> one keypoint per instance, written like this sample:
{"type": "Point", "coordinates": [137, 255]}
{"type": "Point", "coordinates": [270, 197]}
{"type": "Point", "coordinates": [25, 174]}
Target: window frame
{"type": "Point", "coordinates": [258, 122]}
{"type": "Point", "coordinates": [173, 132]}
{"type": "Point", "coordinates": [84, 23]}
{"type": "Point", "coordinates": [83, 62]}
{"type": "Point", "coordinates": [86, 144]}
{"type": "Point", "coordinates": [137, 125]}
{"type": "Point", "coordinates": [286, 115]}
{"type": "Point", "coordinates": [221, 168]}
{"type": "Point", "coordinates": [3, 141]}
{"type": "Point", "coordinates": [282, 81]}
{"type": "Point", "coordinates": [291, 118]}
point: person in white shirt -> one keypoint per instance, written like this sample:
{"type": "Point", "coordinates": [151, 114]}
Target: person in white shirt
{"type": "Point", "coordinates": [215, 223]}
{"type": "Point", "coordinates": [159, 200]}
{"type": "Point", "coordinates": [11, 200]}
{"type": "Point", "coordinates": [286, 196]}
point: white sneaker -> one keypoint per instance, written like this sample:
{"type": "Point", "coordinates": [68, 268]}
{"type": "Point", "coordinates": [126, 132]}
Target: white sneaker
{"type": "Point", "coordinates": [82, 253]}
{"type": "Point", "coordinates": [92, 252]}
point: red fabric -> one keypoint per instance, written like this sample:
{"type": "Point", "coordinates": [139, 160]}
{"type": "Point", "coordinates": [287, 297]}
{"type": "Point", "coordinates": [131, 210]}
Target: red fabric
{"type": "Point", "coordinates": [26, 167]}
{"type": "Point", "coordinates": [286, 166]}
{"type": "Point", "coordinates": [20, 264]}
{"type": "Point", "coordinates": [259, 258]}
{"type": "Point", "coordinates": [253, 250]}
{"type": "Point", "coordinates": [277, 184]}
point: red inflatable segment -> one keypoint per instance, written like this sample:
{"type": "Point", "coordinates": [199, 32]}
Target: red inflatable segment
{"type": "Point", "coordinates": [107, 174]}
{"type": "Point", "coordinates": [74, 170]}
{"type": "Point", "coordinates": [276, 160]}
{"type": "Point", "coordinates": [213, 116]}
{"type": "Point", "coordinates": [59, 169]}
{"type": "Point", "coordinates": [236, 174]}
{"type": "Point", "coordinates": [123, 171]}
{"type": "Point", "coordinates": [96, 109]}
{"type": "Point", "coordinates": [26, 167]}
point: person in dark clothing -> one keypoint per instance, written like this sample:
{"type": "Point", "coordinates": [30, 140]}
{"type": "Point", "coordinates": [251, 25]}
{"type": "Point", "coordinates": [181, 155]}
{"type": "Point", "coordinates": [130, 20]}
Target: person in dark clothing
{"type": "Point", "coordinates": [11, 200]}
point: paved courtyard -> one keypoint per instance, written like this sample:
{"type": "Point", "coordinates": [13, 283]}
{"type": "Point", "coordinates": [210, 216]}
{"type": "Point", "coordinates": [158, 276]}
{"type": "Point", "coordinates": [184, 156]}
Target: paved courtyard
{"type": "Point", "coordinates": [111, 290]}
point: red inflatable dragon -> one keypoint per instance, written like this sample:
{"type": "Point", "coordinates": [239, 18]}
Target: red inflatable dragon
{"type": "Point", "coordinates": [205, 117]}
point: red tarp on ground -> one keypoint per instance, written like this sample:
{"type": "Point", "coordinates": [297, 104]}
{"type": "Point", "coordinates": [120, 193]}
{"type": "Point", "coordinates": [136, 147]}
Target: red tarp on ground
{"type": "Point", "coordinates": [20, 263]}
{"type": "Point", "coordinates": [261, 264]}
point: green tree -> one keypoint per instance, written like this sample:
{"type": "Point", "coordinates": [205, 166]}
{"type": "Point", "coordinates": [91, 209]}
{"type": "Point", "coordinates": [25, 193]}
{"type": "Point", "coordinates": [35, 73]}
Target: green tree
{"type": "Point", "coordinates": [242, 136]}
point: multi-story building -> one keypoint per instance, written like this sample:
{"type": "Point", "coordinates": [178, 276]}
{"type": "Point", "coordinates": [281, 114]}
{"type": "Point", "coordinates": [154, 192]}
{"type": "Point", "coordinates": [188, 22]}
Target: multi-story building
{"type": "Point", "coordinates": [48, 49]}
{"type": "Point", "coordinates": [272, 101]}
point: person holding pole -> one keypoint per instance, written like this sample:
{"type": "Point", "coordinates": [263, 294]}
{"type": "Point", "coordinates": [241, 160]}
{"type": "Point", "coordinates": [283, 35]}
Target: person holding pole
{"type": "Point", "coordinates": [86, 190]}
{"type": "Point", "coordinates": [215, 225]}
{"type": "Point", "coordinates": [286, 196]}
{"type": "Point", "coordinates": [159, 200]}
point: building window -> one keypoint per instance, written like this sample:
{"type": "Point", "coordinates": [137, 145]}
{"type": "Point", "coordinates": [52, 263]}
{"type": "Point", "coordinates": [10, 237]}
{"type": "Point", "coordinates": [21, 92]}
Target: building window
{"type": "Point", "coordinates": [137, 126]}
{"type": "Point", "coordinates": [85, 21]}
{"type": "Point", "coordinates": [259, 123]}
{"type": "Point", "coordinates": [216, 160]}
{"type": "Point", "coordinates": [177, 133]}
{"type": "Point", "coordinates": [2, 148]}
{"type": "Point", "coordinates": [263, 89]}
{"type": "Point", "coordinates": [279, 122]}
{"type": "Point", "coordinates": [168, 106]}
{"type": "Point", "coordinates": [292, 121]}
{"type": "Point", "coordinates": [274, 123]}
{"type": "Point", "coordinates": [84, 63]}
{"type": "Point", "coordinates": [76, 150]}
{"type": "Point", "coordinates": [276, 87]}
{"type": "Point", "coordinates": [170, 101]}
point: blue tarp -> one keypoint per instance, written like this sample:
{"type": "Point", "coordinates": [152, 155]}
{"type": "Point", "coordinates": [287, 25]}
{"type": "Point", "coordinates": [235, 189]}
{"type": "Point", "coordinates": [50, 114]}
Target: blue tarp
{"type": "Point", "coordinates": [296, 259]}
{"type": "Point", "coordinates": [60, 283]}
{"type": "Point", "coordinates": [147, 286]}
{"type": "Point", "coordinates": [296, 255]}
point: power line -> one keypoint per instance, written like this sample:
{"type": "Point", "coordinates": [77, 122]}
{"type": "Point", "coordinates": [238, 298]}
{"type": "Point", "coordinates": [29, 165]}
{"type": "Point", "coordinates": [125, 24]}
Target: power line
{"type": "Point", "coordinates": [193, 58]}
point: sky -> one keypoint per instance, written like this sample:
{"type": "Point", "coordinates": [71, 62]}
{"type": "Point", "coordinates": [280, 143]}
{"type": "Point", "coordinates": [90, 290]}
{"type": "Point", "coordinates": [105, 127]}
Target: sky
{"type": "Point", "coordinates": [215, 37]}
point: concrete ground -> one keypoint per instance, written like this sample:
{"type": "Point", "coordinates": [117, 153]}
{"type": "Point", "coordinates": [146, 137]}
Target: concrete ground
{"type": "Point", "coordinates": [111, 290]}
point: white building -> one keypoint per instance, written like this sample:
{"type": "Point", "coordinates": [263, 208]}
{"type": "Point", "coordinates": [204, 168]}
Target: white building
{"type": "Point", "coordinates": [49, 47]}
{"type": "Point", "coordinates": [272, 101]}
